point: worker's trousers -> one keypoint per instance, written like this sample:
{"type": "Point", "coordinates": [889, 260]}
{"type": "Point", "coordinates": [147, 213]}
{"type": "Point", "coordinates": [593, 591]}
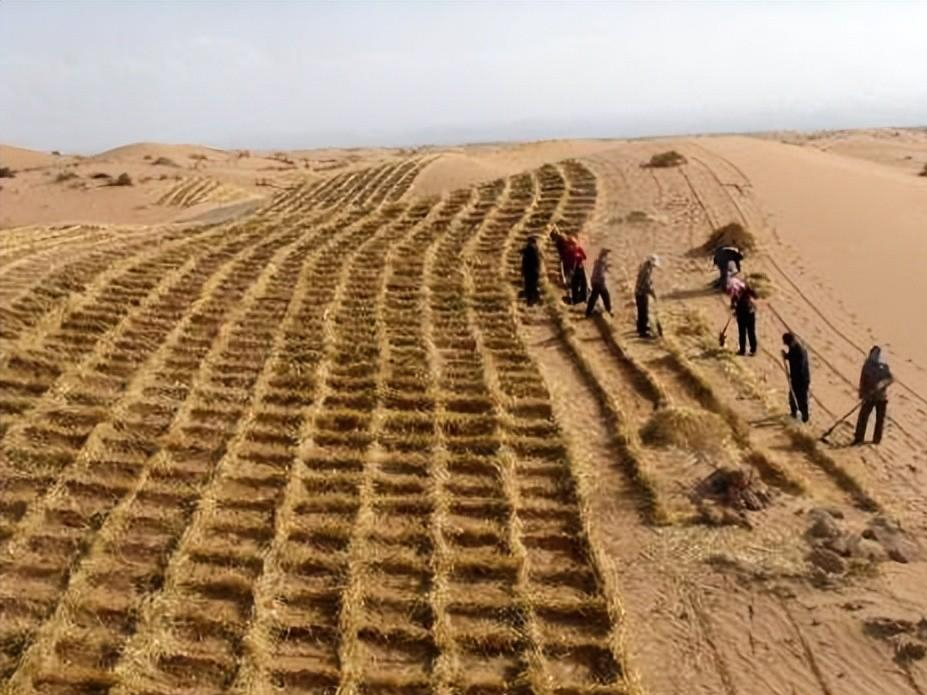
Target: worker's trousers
{"type": "Point", "coordinates": [599, 291]}
{"type": "Point", "coordinates": [746, 331]}
{"type": "Point", "coordinates": [578, 285]}
{"type": "Point", "coordinates": [532, 293]}
{"type": "Point", "coordinates": [865, 410]}
{"type": "Point", "coordinates": [643, 314]}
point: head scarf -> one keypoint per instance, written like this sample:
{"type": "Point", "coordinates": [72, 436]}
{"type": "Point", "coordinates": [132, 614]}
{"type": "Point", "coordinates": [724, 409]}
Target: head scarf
{"type": "Point", "coordinates": [875, 355]}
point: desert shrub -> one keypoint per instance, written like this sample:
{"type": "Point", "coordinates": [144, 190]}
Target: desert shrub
{"type": "Point", "coordinates": [147, 156]}
{"type": "Point", "coordinates": [100, 175]}
{"type": "Point", "coordinates": [637, 217]}
{"type": "Point", "coordinates": [7, 173]}
{"type": "Point", "coordinates": [923, 171]}
{"type": "Point", "coordinates": [165, 162]}
{"type": "Point", "coordinates": [671, 158]}
{"type": "Point", "coordinates": [56, 153]}
{"type": "Point", "coordinates": [282, 157]}
{"type": "Point", "coordinates": [686, 428]}
{"type": "Point", "coordinates": [732, 234]}
{"type": "Point", "coordinates": [65, 176]}
{"type": "Point", "coordinates": [122, 180]}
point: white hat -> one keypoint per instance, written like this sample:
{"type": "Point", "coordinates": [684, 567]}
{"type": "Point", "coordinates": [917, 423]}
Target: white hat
{"type": "Point", "coordinates": [654, 260]}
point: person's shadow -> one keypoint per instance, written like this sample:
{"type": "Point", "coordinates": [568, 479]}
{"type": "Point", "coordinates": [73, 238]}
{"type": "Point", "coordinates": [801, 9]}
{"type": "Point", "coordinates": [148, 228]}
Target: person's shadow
{"type": "Point", "coordinates": [692, 293]}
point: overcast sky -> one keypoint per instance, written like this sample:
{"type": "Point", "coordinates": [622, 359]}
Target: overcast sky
{"type": "Point", "coordinates": [85, 76]}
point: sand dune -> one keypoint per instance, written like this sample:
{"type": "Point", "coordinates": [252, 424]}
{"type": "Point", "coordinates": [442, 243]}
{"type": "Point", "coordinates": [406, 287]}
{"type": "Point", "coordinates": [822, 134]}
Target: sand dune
{"type": "Point", "coordinates": [283, 421]}
{"type": "Point", "coordinates": [140, 151]}
{"type": "Point", "coordinates": [467, 166]}
{"type": "Point", "coordinates": [19, 158]}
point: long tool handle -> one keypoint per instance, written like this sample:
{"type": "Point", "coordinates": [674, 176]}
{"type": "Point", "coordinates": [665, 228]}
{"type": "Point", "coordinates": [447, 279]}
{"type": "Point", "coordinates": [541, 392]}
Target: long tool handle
{"type": "Point", "coordinates": [834, 426]}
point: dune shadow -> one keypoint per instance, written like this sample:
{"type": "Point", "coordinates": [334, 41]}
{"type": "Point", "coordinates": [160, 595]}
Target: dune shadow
{"type": "Point", "coordinates": [692, 293]}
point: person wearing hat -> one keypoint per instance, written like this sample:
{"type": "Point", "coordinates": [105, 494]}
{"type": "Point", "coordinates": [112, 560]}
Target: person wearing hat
{"type": "Point", "coordinates": [643, 292]}
{"type": "Point", "coordinates": [599, 289]}
{"type": "Point", "coordinates": [531, 270]}
{"type": "Point", "coordinates": [874, 380]}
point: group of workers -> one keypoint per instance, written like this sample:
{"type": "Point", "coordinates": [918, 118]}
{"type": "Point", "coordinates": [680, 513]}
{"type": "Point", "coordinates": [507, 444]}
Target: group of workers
{"type": "Point", "coordinates": [579, 291]}
{"type": "Point", "coordinates": [875, 377]}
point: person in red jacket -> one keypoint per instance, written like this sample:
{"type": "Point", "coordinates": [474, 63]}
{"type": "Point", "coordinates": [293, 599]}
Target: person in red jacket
{"type": "Point", "coordinates": [579, 287]}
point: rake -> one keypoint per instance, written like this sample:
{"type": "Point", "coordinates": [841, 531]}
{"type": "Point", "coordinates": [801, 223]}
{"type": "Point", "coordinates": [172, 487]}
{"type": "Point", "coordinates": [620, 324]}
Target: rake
{"type": "Point", "coordinates": [830, 430]}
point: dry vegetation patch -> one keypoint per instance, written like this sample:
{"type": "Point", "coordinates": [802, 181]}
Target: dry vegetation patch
{"type": "Point", "coordinates": [761, 284]}
{"type": "Point", "coordinates": [664, 160]}
{"type": "Point", "coordinates": [732, 234]}
{"type": "Point", "coordinates": [65, 176]}
{"type": "Point", "coordinates": [122, 180]}
{"type": "Point", "coordinates": [687, 428]}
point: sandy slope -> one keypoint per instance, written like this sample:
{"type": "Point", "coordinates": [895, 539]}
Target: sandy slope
{"type": "Point", "coordinates": [904, 149]}
{"type": "Point", "coordinates": [840, 219]}
{"type": "Point", "coordinates": [20, 158]}
{"type": "Point", "coordinates": [857, 227]}
{"type": "Point", "coordinates": [755, 629]}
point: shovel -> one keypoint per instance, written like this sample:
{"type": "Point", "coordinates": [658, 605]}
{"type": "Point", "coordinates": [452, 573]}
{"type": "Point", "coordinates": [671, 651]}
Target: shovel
{"type": "Point", "coordinates": [656, 319]}
{"type": "Point", "coordinates": [722, 337]}
{"type": "Point", "coordinates": [788, 380]}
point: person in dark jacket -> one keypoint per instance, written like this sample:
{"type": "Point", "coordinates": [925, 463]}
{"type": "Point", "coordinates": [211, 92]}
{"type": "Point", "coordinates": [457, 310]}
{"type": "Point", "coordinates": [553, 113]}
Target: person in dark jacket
{"type": "Point", "coordinates": [723, 259]}
{"type": "Point", "coordinates": [565, 251]}
{"type": "Point", "coordinates": [531, 271]}
{"type": "Point", "coordinates": [796, 357]}
{"type": "Point", "coordinates": [743, 306]}
{"type": "Point", "coordinates": [599, 288]}
{"type": "Point", "coordinates": [579, 286]}
{"type": "Point", "coordinates": [874, 380]}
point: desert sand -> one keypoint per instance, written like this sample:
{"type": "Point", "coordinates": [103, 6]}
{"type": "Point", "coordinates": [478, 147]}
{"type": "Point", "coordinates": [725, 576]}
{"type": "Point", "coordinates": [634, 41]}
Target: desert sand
{"type": "Point", "coordinates": [281, 420]}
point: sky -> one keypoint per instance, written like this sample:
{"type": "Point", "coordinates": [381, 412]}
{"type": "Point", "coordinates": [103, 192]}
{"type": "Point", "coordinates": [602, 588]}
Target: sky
{"type": "Point", "coordinates": [85, 76]}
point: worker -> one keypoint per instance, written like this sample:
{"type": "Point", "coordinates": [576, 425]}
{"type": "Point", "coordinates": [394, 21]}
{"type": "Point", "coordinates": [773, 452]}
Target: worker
{"type": "Point", "coordinates": [643, 293]}
{"type": "Point", "coordinates": [726, 259]}
{"type": "Point", "coordinates": [531, 270]}
{"type": "Point", "coordinates": [599, 288]}
{"type": "Point", "coordinates": [799, 373]}
{"type": "Point", "coordinates": [579, 287]}
{"type": "Point", "coordinates": [743, 306]}
{"type": "Point", "coordinates": [874, 380]}
{"type": "Point", "coordinates": [565, 252]}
